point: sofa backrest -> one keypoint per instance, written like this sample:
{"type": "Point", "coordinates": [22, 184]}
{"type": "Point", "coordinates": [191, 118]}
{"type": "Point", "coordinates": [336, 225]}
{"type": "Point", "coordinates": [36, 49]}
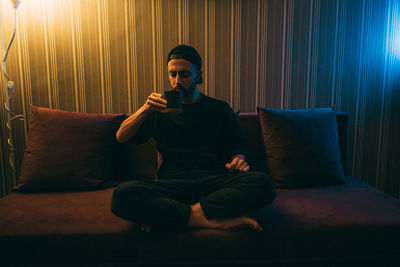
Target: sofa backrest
{"type": "Point", "coordinates": [140, 161]}
{"type": "Point", "coordinates": [137, 161]}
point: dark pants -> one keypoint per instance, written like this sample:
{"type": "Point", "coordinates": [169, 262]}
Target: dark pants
{"type": "Point", "coordinates": [167, 202]}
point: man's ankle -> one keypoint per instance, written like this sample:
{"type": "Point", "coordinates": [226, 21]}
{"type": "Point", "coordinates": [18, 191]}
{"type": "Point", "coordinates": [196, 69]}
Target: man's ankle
{"type": "Point", "coordinates": [197, 217]}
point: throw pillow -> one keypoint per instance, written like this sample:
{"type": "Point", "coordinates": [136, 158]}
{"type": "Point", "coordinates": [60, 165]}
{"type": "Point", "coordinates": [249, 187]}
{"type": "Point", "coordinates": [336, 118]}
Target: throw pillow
{"type": "Point", "coordinates": [68, 151]}
{"type": "Point", "coordinates": [302, 147]}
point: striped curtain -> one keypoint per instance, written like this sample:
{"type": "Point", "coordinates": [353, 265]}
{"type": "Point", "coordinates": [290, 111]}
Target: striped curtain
{"type": "Point", "coordinates": [107, 56]}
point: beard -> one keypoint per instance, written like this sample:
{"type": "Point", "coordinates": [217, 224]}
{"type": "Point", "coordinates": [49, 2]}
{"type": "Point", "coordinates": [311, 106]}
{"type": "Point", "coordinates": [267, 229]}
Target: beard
{"type": "Point", "coordinates": [186, 92]}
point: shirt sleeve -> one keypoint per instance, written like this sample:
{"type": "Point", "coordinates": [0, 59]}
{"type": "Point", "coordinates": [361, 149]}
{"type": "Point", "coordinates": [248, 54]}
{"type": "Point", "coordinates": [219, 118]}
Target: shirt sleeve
{"type": "Point", "coordinates": [146, 130]}
{"type": "Point", "coordinates": [235, 142]}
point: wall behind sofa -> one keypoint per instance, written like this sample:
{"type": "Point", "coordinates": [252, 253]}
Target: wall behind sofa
{"type": "Point", "coordinates": [109, 55]}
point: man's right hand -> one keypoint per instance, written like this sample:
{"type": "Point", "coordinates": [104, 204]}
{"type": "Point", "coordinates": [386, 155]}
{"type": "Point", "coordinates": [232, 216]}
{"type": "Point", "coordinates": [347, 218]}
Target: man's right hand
{"type": "Point", "coordinates": [155, 102]}
{"type": "Point", "coordinates": [130, 126]}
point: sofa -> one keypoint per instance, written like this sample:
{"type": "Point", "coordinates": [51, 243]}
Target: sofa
{"type": "Point", "coordinates": [68, 222]}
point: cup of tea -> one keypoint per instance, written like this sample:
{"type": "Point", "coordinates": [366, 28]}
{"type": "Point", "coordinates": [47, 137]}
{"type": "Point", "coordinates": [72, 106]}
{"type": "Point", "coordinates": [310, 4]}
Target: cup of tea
{"type": "Point", "coordinates": [174, 101]}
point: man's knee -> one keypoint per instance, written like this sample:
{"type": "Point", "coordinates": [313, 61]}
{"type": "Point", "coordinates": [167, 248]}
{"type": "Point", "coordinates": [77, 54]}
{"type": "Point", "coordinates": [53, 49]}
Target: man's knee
{"type": "Point", "coordinates": [121, 190]}
{"type": "Point", "coordinates": [117, 199]}
{"type": "Point", "coordinates": [123, 197]}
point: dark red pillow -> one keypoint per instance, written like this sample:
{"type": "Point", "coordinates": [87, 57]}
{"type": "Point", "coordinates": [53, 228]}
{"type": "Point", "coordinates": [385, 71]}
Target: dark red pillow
{"type": "Point", "coordinates": [69, 151]}
{"type": "Point", "coordinates": [302, 147]}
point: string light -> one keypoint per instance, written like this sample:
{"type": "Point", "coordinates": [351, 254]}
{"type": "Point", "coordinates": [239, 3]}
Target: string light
{"type": "Point", "coordinates": [9, 90]}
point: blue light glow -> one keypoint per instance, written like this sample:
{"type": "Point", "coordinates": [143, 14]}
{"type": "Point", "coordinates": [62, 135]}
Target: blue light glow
{"type": "Point", "coordinates": [396, 42]}
{"type": "Point", "coordinates": [394, 26]}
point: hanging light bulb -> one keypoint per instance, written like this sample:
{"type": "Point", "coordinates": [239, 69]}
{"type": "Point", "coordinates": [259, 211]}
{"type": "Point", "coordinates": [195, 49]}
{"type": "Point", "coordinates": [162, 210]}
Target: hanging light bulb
{"type": "Point", "coordinates": [15, 3]}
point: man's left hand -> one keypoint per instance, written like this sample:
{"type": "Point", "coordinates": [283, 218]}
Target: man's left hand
{"type": "Point", "coordinates": [238, 163]}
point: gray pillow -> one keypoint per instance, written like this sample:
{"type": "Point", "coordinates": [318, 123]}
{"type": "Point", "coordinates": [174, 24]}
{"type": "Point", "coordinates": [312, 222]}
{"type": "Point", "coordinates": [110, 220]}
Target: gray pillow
{"type": "Point", "coordinates": [302, 147]}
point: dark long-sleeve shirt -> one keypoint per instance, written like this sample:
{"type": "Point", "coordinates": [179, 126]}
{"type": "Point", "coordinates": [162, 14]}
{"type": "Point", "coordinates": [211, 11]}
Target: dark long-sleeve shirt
{"type": "Point", "coordinates": [201, 139]}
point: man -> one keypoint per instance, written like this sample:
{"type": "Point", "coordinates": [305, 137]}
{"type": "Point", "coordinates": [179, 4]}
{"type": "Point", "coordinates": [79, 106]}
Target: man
{"type": "Point", "coordinates": [204, 179]}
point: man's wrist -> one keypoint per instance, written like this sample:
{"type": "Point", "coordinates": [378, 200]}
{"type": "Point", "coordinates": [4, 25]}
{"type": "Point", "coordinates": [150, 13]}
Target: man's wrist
{"type": "Point", "coordinates": [240, 156]}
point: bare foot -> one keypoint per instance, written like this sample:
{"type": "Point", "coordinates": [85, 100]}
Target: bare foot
{"type": "Point", "coordinates": [239, 222]}
{"type": "Point", "coordinates": [198, 219]}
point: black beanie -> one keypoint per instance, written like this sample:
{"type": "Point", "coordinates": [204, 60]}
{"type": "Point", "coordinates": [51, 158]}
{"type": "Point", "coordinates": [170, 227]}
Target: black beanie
{"type": "Point", "coordinates": [188, 53]}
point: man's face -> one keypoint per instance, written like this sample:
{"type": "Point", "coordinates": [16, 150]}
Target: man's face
{"type": "Point", "coordinates": [183, 75]}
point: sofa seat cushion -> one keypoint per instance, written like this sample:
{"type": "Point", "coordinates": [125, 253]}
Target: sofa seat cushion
{"type": "Point", "coordinates": [354, 204]}
{"type": "Point", "coordinates": [59, 213]}
{"type": "Point", "coordinates": [344, 222]}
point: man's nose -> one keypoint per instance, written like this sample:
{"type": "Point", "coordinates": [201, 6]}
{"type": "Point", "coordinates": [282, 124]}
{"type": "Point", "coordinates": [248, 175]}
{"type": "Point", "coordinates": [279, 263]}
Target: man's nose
{"type": "Point", "coordinates": [178, 79]}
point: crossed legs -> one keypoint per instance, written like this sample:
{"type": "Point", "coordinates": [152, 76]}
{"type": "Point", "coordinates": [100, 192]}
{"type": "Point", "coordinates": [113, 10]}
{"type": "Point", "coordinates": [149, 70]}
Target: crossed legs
{"type": "Point", "coordinates": [218, 201]}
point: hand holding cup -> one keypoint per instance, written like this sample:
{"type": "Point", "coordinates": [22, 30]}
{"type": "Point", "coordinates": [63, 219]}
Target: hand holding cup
{"type": "Point", "coordinates": [156, 102]}
{"type": "Point", "coordinates": [174, 101]}
{"type": "Point", "coordinates": [170, 102]}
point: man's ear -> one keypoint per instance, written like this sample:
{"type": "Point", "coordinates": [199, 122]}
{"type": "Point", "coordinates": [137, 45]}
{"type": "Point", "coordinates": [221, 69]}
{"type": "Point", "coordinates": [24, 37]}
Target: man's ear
{"type": "Point", "coordinates": [199, 76]}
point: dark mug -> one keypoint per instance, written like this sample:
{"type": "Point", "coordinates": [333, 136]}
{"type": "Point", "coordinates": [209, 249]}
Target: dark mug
{"type": "Point", "coordinates": [174, 101]}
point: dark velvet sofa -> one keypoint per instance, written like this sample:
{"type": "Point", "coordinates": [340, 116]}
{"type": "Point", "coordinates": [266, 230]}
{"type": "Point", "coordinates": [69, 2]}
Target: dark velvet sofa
{"type": "Point", "coordinates": [349, 224]}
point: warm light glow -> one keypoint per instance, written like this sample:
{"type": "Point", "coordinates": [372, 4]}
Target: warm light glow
{"type": "Point", "coordinates": [33, 8]}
